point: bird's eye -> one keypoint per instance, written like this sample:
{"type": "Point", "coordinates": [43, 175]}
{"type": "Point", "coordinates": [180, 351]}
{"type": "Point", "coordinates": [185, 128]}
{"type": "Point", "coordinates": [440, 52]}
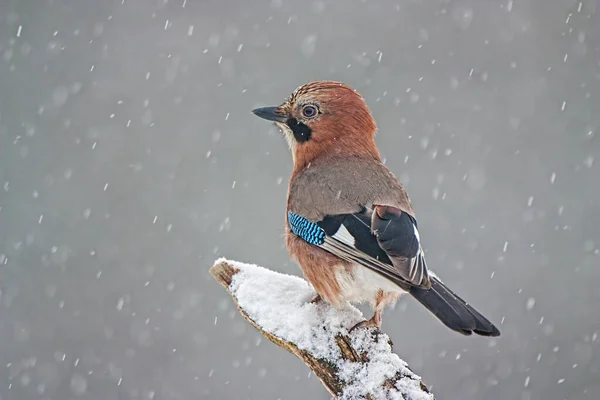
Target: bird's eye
{"type": "Point", "coordinates": [309, 111]}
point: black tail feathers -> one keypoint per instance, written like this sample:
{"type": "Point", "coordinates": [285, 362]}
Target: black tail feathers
{"type": "Point", "coordinates": [453, 311]}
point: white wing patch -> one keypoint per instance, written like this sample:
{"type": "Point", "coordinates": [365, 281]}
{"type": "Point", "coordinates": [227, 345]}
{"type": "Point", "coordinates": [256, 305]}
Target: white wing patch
{"type": "Point", "coordinates": [344, 236]}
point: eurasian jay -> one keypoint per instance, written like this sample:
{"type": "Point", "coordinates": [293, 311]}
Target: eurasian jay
{"type": "Point", "coordinates": [350, 224]}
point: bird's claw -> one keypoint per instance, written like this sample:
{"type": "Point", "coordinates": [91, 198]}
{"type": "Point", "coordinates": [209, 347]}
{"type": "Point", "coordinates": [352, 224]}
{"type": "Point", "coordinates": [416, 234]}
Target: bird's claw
{"type": "Point", "coordinates": [316, 299]}
{"type": "Point", "coordinates": [370, 323]}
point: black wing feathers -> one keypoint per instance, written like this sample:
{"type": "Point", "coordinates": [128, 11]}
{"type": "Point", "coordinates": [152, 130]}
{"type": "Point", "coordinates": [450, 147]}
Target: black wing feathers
{"type": "Point", "coordinates": [453, 311]}
{"type": "Point", "coordinates": [397, 234]}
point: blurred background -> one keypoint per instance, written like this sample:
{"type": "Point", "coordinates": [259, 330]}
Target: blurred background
{"type": "Point", "coordinates": [130, 161]}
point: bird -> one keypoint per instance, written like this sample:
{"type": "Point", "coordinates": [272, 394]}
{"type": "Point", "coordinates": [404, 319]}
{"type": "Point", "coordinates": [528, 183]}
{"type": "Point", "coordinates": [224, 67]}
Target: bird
{"type": "Point", "coordinates": [350, 224]}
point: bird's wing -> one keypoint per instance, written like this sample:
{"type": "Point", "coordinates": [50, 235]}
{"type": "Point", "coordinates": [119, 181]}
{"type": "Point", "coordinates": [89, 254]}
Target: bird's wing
{"type": "Point", "coordinates": [385, 241]}
{"type": "Point", "coordinates": [397, 234]}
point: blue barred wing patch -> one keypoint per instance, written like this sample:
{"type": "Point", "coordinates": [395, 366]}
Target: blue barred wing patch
{"type": "Point", "coordinates": [309, 231]}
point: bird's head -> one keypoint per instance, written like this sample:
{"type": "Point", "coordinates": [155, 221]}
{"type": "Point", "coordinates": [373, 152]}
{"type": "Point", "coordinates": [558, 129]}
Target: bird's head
{"type": "Point", "coordinates": [324, 118]}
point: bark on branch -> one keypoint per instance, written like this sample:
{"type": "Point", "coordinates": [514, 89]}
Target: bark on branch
{"type": "Point", "coordinates": [359, 365]}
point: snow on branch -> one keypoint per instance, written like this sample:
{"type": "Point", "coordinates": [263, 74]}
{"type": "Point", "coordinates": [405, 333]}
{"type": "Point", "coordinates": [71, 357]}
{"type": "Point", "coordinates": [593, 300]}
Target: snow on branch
{"type": "Point", "coordinates": [351, 366]}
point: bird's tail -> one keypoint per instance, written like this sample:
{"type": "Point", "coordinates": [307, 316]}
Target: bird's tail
{"type": "Point", "coordinates": [453, 311]}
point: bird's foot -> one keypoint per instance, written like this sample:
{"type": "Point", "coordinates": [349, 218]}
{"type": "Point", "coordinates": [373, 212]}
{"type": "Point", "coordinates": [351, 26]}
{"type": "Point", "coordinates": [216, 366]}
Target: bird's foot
{"type": "Point", "coordinates": [316, 299]}
{"type": "Point", "coordinates": [374, 322]}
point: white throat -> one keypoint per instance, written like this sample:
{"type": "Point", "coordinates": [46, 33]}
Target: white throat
{"type": "Point", "coordinates": [289, 137]}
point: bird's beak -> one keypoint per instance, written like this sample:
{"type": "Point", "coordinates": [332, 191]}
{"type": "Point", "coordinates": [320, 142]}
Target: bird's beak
{"type": "Point", "coordinates": [271, 114]}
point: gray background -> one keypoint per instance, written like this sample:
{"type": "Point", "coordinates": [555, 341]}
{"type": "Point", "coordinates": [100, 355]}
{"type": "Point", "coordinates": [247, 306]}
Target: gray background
{"type": "Point", "coordinates": [129, 161]}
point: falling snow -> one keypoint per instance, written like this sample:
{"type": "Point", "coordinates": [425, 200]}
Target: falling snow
{"type": "Point", "coordinates": [129, 158]}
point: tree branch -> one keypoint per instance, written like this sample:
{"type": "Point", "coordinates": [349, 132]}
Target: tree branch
{"type": "Point", "coordinates": [359, 365]}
